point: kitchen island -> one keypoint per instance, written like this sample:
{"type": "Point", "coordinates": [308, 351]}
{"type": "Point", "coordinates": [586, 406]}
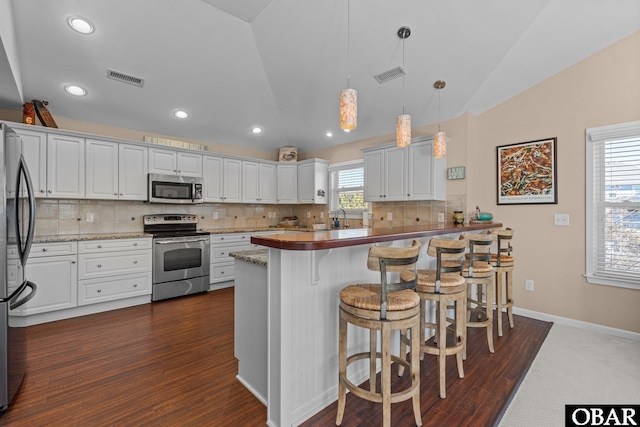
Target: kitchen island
{"type": "Point", "coordinates": [304, 275]}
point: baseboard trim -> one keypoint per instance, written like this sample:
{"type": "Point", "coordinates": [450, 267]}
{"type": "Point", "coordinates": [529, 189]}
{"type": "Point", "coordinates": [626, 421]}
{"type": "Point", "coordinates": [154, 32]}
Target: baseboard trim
{"type": "Point", "coordinates": [621, 333]}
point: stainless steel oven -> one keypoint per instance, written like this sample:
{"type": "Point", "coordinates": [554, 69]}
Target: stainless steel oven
{"type": "Point", "coordinates": [181, 255]}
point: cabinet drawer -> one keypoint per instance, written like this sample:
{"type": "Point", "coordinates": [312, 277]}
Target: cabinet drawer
{"type": "Point", "coordinates": [12, 252]}
{"type": "Point", "coordinates": [220, 252]}
{"type": "Point", "coordinates": [231, 237]}
{"type": "Point", "coordinates": [53, 249]}
{"type": "Point", "coordinates": [109, 289]}
{"type": "Point", "coordinates": [100, 246]}
{"type": "Point", "coordinates": [221, 273]}
{"type": "Point", "coordinates": [109, 264]}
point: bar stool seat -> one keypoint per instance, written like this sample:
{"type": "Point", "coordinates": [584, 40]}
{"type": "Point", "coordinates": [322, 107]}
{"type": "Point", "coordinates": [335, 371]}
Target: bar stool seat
{"type": "Point", "coordinates": [382, 307]}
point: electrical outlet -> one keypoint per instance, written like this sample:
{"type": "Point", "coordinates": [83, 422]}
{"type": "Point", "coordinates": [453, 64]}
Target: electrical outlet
{"type": "Point", "coordinates": [528, 285]}
{"type": "Point", "coordinates": [321, 214]}
{"type": "Point", "coordinates": [440, 217]}
{"type": "Point", "coordinates": [561, 219]}
{"type": "Point", "coordinates": [389, 216]}
{"type": "Point", "coordinates": [89, 217]}
{"type": "Point", "coordinates": [308, 214]}
{"type": "Point", "coordinates": [215, 215]}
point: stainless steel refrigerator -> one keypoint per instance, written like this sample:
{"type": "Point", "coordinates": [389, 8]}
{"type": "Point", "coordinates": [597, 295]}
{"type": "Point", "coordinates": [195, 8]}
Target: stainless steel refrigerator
{"type": "Point", "coordinates": [16, 234]}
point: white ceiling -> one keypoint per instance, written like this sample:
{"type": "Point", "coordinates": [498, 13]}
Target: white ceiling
{"type": "Point", "coordinates": [281, 64]}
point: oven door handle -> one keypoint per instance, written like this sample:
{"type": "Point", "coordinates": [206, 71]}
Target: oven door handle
{"type": "Point", "coordinates": [167, 242]}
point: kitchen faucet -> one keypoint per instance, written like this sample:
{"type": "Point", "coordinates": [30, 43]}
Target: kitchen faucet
{"type": "Point", "coordinates": [344, 218]}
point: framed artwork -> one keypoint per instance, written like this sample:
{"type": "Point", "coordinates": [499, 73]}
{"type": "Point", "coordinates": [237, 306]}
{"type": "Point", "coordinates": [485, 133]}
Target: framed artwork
{"type": "Point", "coordinates": [527, 173]}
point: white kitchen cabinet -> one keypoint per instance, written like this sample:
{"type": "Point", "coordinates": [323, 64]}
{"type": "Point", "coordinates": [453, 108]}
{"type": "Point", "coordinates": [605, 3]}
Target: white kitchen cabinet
{"type": "Point", "coordinates": [222, 178]}
{"type": "Point", "coordinates": [115, 269]}
{"type": "Point", "coordinates": [171, 162]}
{"type": "Point", "coordinates": [116, 171]}
{"type": "Point", "coordinates": [34, 148]}
{"type": "Point", "coordinates": [258, 182]}
{"type": "Point", "coordinates": [426, 174]}
{"type": "Point", "coordinates": [222, 267]}
{"type": "Point", "coordinates": [313, 181]}
{"type": "Point", "coordinates": [385, 174]}
{"type": "Point", "coordinates": [52, 267]}
{"type": "Point", "coordinates": [287, 183]}
{"type": "Point", "coordinates": [65, 167]}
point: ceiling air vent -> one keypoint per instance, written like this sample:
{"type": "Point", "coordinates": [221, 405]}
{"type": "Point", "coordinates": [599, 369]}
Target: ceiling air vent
{"type": "Point", "coordinates": [125, 78]}
{"type": "Point", "coordinates": [390, 74]}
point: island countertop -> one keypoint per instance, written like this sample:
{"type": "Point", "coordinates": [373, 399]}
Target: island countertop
{"type": "Point", "coordinates": [362, 236]}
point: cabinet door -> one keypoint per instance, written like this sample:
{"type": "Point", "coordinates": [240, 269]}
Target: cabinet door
{"type": "Point", "coordinates": [250, 171]}
{"type": "Point", "coordinates": [213, 179]}
{"type": "Point", "coordinates": [163, 161]}
{"type": "Point", "coordinates": [65, 167]}
{"type": "Point", "coordinates": [267, 183]}
{"type": "Point", "coordinates": [102, 169]}
{"type": "Point", "coordinates": [287, 183]}
{"type": "Point", "coordinates": [34, 148]}
{"type": "Point", "coordinates": [395, 174]}
{"type": "Point", "coordinates": [373, 176]}
{"type": "Point", "coordinates": [57, 281]}
{"type": "Point", "coordinates": [305, 183]}
{"type": "Point", "coordinates": [132, 172]}
{"type": "Point", "coordinates": [420, 171]}
{"type": "Point", "coordinates": [232, 181]}
{"type": "Point", "coordinates": [189, 164]}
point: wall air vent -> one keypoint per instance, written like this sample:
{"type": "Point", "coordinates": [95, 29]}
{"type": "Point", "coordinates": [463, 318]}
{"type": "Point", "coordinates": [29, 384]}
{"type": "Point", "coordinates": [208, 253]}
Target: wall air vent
{"type": "Point", "coordinates": [390, 74]}
{"type": "Point", "coordinates": [125, 78]}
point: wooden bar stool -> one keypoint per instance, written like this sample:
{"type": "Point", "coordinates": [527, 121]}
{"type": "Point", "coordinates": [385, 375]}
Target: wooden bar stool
{"type": "Point", "coordinates": [503, 264]}
{"type": "Point", "coordinates": [382, 307]}
{"type": "Point", "coordinates": [479, 276]}
{"type": "Point", "coordinates": [442, 286]}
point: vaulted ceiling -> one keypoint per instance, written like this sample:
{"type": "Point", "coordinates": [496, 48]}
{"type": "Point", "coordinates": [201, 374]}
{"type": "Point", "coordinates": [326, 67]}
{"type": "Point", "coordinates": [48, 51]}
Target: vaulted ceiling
{"type": "Point", "coordinates": [281, 64]}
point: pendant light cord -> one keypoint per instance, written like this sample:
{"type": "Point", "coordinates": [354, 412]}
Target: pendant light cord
{"type": "Point", "coordinates": [348, 44]}
{"type": "Point", "coordinates": [403, 68]}
{"type": "Point", "coordinates": [439, 105]}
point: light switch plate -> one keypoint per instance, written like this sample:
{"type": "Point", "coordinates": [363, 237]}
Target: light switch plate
{"type": "Point", "coordinates": [456, 172]}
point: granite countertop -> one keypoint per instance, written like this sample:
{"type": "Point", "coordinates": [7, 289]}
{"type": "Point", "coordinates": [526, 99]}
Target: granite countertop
{"type": "Point", "coordinates": [257, 256]}
{"type": "Point", "coordinates": [97, 236]}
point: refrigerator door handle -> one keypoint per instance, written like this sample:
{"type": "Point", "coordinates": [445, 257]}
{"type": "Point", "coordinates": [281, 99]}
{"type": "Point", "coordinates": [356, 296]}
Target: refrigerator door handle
{"type": "Point", "coordinates": [23, 170]}
{"type": "Point", "coordinates": [13, 298]}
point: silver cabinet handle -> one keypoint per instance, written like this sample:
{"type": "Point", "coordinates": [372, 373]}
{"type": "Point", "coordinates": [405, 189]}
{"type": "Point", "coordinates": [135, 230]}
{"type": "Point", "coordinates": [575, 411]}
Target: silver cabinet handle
{"type": "Point", "coordinates": [135, 285]}
{"type": "Point", "coordinates": [135, 262]}
{"type": "Point", "coordinates": [99, 246]}
{"type": "Point", "coordinates": [42, 191]}
{"type": "Point", "coordinates": [99, 290]}
{"type": "Point", "coordinates": [73, 262]}
{"type": "Point", "coordinates": [115, 194]}
{"type": "Point", "coordinates": [121, 194]}
{"type": "Point", "coordinates": [49, 191]}
{"type": "Point", "coordinates": [99, 265]}
{"type": "Point", "coordinates": [135, 244]}
{"type": "Point", "coordinates": [44, 249]}
{"type": "Point", "coordinates": [221, 253]}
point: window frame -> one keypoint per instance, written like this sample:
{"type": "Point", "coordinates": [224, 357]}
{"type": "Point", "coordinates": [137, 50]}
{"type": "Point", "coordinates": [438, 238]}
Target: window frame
{"type": "Point", "coordinates": [333, 192]}
{"type": "Point", "coordinates": [598, 135]}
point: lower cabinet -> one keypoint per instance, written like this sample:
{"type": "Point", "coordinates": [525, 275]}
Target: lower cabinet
{"type": "Point", "coordinates": [113, 269]}
{"type": "Point", "coordinates": [222, 265]}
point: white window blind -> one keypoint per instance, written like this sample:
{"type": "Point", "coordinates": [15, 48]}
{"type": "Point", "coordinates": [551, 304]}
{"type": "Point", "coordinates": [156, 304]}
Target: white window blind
{"type": "Point", "coordinates": [613, 205]}
{"type": "Point", "coordinates": [346, 183]}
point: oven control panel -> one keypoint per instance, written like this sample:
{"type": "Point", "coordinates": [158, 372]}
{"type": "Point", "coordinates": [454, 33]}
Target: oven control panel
{"type": "Point", "coordinates": [170, 219]}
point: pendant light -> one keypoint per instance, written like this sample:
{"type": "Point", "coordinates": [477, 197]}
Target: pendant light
{"type": "Point", "coordinates": [440, 138]}
{"type": "Point", "coordinates": [403, 124]}
{"type": "Point", "coordinates": [348, 97]}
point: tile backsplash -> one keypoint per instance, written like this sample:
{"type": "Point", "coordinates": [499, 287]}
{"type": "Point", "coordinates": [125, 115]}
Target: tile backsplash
{"type": "Point", "coordinates": [62, 216]}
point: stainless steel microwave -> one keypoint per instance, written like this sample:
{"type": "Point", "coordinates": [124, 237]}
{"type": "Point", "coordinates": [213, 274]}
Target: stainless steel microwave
{"type": "Point", "coordinates": [174, 189]}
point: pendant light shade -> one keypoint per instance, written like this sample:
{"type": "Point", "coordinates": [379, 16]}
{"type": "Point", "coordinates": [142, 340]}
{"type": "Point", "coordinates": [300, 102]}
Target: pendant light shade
{"type": "Point", "coordinates": [403, 130]}
{"type": "Point", "coordinates": [440, 145]}
{"type": "Point", "coordinates": [403, 123]}
{"type": "Point", "coordinates": [348, 97]}
{"type": "Point", "coordinates": [440, 138]}
{"type": "Point", "coordinates": [348, 109]}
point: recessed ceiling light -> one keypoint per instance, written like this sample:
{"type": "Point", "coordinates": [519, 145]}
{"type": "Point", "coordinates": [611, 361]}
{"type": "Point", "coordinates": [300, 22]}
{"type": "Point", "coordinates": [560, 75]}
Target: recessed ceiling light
{"type": "Point", "coordinates": [75, 90]}
{"type": "Point", "coordinates": [81, 25]}
{"type": "Point", "coordinates": [181, 114]}
{"type": "Point", "coordinates": [256, 130]}
{"type": "Point", "coordinates": [329, 134]}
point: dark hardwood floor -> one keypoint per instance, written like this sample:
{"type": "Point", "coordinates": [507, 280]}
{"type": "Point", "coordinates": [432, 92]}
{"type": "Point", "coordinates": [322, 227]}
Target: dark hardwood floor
{"type": "Point", "coordinates": [171, 363]}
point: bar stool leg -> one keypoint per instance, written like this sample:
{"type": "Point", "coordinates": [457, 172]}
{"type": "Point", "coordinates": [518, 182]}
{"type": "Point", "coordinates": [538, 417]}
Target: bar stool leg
{"type": "Point", "coordinates": [415, 369]}
{"type": "Point", "coordinates": [442, 344]}
{"type": "Point", "coordinates": [342, 367]}
{"type": "Point", "coordinates": [386, 374]}
{"type": "Point", "coordinates": [423, 314]}
{"type": "Point", "coordinates": [509, 279]}
{"type": "Point", "coordinates": [461, 331]}
{"type": "Point", "coordinates": [489, 312]}
{"type": "Point", "coordinates": [373, 348]}
{"type": "Point", "coordinates": [498, 300]}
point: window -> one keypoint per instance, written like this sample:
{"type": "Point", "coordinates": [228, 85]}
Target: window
{"type": "Point", "coordinates": [346, 182]}
{"type": "Point", "coordinates": [613, 205]}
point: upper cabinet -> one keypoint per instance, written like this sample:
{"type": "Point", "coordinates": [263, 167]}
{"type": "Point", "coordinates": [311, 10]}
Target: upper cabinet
{"type": "Point", "coordinates": [313, 181]}
{"type": "Point", "coordinates": [258, 182]}
{"type": "Point", "coordinates": [34, 149]}
{"type": "Point", "coordinates": [394, 173]}
{"type": "Point", "coordinates": [65, 167]}
{"type": "Point", "coordinates": [385, 174]}
{"type": "Point", "coordinates": [287, 177]}
{"type": "Point", "coordinates": [171, 162]}
{"type": "Point", "coordinates": [116, 171]}
{"type": "Point", "coordinates": [222, 178]}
